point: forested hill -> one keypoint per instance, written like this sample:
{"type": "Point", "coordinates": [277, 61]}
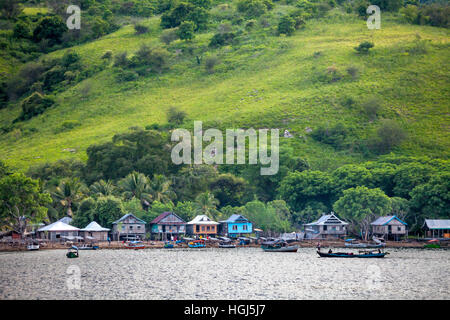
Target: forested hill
{"type": "Point", "coordinates": [137, 69]}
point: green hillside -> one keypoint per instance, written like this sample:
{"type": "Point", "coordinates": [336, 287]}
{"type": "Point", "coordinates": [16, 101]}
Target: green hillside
{"type": "Point", "coordinates": [265, 80]}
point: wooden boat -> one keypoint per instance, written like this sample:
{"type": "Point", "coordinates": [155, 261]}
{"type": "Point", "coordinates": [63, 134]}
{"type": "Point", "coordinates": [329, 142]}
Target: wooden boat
{"type": "Point", "coordinates": [349, 243]}
{"type": "Point", "coordinates": [278, 246]}
{"type": "Point", "coordinates": [72, 252]}
{"type": "Point", "coordinates": [134, 245]}
{"type": "Point", "coordinates": [226, 244]}
{"type": "Point", "coordinates": [168, 245]}
{"type": "Point", "coordinates": [432, 244]}
{"type": "Point", "coordinates": [88, 246]}
{"type": "Point", "coordinates": [33, 247]}
{"type": "Point", "coordinates": [361, 254]}
{"type": "Point", "coordinates": [197, 244]}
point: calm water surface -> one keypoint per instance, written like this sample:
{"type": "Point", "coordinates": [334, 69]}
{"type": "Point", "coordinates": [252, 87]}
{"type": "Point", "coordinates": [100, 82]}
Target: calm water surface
{"type": "Point", "coordinates": [242, 273]}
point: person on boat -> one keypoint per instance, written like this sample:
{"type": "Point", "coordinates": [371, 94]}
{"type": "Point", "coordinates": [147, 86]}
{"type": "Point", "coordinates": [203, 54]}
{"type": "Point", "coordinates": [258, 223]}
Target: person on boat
{"type": "Point", "coordinates": [379, 251]}
{"type": "Point", "coordinates": [330, 251]}
{"type": "Point", "coordinates": [318, 246]}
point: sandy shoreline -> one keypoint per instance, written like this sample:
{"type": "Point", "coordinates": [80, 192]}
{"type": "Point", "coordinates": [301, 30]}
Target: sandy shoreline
{"type": "Point", "coordinates": [7, 247]}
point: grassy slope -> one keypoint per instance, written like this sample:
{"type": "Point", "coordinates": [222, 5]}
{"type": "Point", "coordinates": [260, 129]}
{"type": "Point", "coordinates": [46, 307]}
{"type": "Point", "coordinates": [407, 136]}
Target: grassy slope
{"type": "Point", "coordinates": [265, 82]}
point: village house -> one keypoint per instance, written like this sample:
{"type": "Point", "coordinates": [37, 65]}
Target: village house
{"type": "Point", "coordinates": [327, 226]}
{"type": "Point", "coordinates": [167, 225]}
{"type": "Point", "coordinates": [437, 228]}
{"type": "Point", "coordinates": [235, 226]}
{"type": "Point", "coordinates": [202, 225]}
{"type": "Point", "coordinates": [389, 227]}
{"type": "Point", "coordinates": [94, 231]}
{"type": "Point", "coordinates": [128, 227]}
{"type": "Point", "coordinates": [58, 231]}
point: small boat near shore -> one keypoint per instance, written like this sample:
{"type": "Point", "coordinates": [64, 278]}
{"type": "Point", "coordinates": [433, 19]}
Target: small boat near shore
{"type": "Point", "coordinates": [278, 246]}
{"type": "Point", "coordinates": [350, 243]}
{"type": "Point", "coordinates": [88, 246]}
{"type": "Point", "coordinates": [168, 245]}
{"type": "Point", "coordinates": [432, 244]}
{"type": "Point", "coordinates": [72, 252]}
{"type": "Point", "coordinates": [361, 254]}
{"type": "Point", "coordinates": [197, 244]}
{"type": "Point", "coordinates": [135, 245]}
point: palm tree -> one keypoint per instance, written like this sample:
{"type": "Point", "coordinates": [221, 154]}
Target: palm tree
{"type": "Point", "coordinates": [68, 192]}
{"type": "Point", "coordinates": [136, 185]}
{"type": "Point", "coordinates": [205, 203]}
{"type": "Point", "coordinates": [161, 189]}
{"type": "Point", "coordinates": [102, 188]}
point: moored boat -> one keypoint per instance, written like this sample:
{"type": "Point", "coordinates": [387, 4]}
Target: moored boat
{"type": "Point", "coordinates": [32, 247]}
{"type": "Point", "coordinates": [197, 244]}
{"type": "Point", "coordinates": [278, 246]}
{"type": "Point", "coordinates": [88, 246]}
{"type": "Point", "coordinates": [134, 245]}
{"type": "Point", "coordinates": [168, 245]}
{"type": "Point", "coordinates": [361, 254]}
{"type": "Point", "coordinates": [432, 244]}
{"type": "Point", "coordinates": [72, 252]}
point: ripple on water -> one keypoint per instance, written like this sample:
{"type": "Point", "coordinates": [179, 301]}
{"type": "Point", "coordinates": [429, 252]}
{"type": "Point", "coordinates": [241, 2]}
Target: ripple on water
{"type": "Point", "coordinates": [242, 273]}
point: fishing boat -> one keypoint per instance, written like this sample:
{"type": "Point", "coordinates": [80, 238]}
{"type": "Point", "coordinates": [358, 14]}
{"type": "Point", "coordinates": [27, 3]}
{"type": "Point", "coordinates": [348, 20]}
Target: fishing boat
{"type": "Point", "coordinates": [72, 252]}
{"type": "Point", "coordinates": [134, 245]}
{"type": "Point", "coordinates": [278, 246]}
{"type": "Point", "coordinates": [432, 244]}
{"type": "Point", "coordinates": [168, 245]}
{"type": "Point", "coordinates": [88, 246]}
{"type": "Point", "coordinates": [197, 244]}
{"type": "Point", "coordinates": [360, 254]}
{"type": "Point", "coordinates": [349, 243]}
{"type": "Point", "coordinates": [226, 244]}
{"type": "Point", "coordinates": [33, 246]}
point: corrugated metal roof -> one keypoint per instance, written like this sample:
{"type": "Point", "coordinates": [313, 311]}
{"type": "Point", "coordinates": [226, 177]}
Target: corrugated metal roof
{"type": "Point", "coordinates": [93, 227]}
{"type": "Point", "coordinates": [166, 214]}
{"type": "Point", "coordinates": [202, 219]}
{"type": "Point", "coordinates": [438, 223]}
{"type": "Point", "coordinates": [128, 215]}
{"type": "Point", "coordinates": [58, 226]}
{"type": "Point", "coordinates": [235, 217]}
{"type": "Point", "coordinates": [381, 221]}
{"type": "Point", "coordinates": [327, 219]}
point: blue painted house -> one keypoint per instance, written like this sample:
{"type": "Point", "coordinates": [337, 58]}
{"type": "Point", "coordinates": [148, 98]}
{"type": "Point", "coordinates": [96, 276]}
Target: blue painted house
{"type": "Point", "coordinates": [235, 226]}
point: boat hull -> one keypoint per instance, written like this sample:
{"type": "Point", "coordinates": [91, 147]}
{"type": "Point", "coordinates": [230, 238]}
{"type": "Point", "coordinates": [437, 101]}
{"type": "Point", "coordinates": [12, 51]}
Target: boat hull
{"type": "Point", "coordinates": [32, 248]}
{"type": "Point", "coordinates": [346, 255]}
{"type": "Point", "coordinates": [227, 246]}
{"type": "Point", "coordinates": [135, 247]}
{"type": "Point", "coordinates": [281, 249]}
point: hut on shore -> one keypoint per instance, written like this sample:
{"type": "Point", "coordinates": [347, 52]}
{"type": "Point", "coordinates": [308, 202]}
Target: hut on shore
{"type": "Point", "coordinates": [58, 231]}
{"type": "Point", "coordinates": [129, 227]}
{"type": "Point", "coordinates": [389, 227]}
{"type": "Point", "coordinates": [326, 227]}
{"type": "Point", "coordinates": [94, 231]}
{"type": "Point", "coordinates": [235, 226]}
{"type": "Point", "coordinates": [166, 225]}
{"type": "Point", "coordinates": [202, 225]}
{"type": "Point", "coordinates": [437, 228]}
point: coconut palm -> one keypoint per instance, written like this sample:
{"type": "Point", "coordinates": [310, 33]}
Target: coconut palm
{"type": "Point", "coordinates": [102, 188]}
{"type": "Point", "coordinates": [136, 185]}
{"type": "Point", "coordinates": [161, 189]}
{"type": "Point", "coordinates": [68, 192]}
{"type": "Point", "coordinates": [205, 203]}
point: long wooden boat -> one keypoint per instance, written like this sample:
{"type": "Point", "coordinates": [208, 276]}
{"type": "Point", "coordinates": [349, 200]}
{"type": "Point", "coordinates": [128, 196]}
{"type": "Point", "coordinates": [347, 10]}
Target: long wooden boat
{"type": "Point", "coordinates": [88, 247]}
{"type": "Point", "coordinates": [293, 248]}
{"type": "Point", "coordinates": [365, 245]}
{"type": "Point", "coordinates": [134, 245]}
{"type": "Point", "coordinates": [32, 247]}
{"type": "Point", "coordinates": [352, 255]}
{"type": "Point", "coordinates": [197, 244]}
{"type": "Point", "coordinates": [226, 245]}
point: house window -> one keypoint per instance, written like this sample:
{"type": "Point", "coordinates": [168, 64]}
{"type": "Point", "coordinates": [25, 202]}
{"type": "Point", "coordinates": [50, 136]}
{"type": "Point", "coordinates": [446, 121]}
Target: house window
{"type": "Point", "coordinates": [244, 227]}
{"type": "Point", "coordinates": [131, 227]}
{"type": "Point", "coordinates": [123, 227]}
{"type": "Point", "coordinates": [235, 227]}
{"type": "Point", "coordinates": [399, 228]}
{"type": "Point", "coordinates": [325, 228]}
{"type": "Point", "coordinates": [207, 228]}
{"type": "Point", "coordinates": [138, 227]}
{"type": "Point", "coordinates": [203, 228]}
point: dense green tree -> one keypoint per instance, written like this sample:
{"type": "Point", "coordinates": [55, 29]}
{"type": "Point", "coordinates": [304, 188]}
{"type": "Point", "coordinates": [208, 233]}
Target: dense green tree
{"type": "Point", "coordinates": [102, 188]}
{"type": "Point", "coordinates": [186, 30]}
{"type": "Point", "coordinates": [136, 185]}
{"type": "Point", "coordinates": [10, 9]}
{"type": "Point", "coordinates": [160, 189]}
{"type": "Point", "coordinates": [51, 28]}
{"type": "Point", "coordinates": [286, 25]}
{"type": "Point", "coordinates": [21, 201]}
{"type": "Point", "coordinates": [361, 206]}
{"type": "Point", "coordinates": [193, 180]}
{"type": "Point", "coordinates": [228, 189]}
{"type": "Point", "coordinates": [410, 175]}
{"type": "Point", "coordinates": [349, 176]}
{"type": "Point", "coordinates": [206, 204]}
{"type": "Point", "coordinates": [68, 193]}
{"type": "Point", "coordinates": [299, 187]}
